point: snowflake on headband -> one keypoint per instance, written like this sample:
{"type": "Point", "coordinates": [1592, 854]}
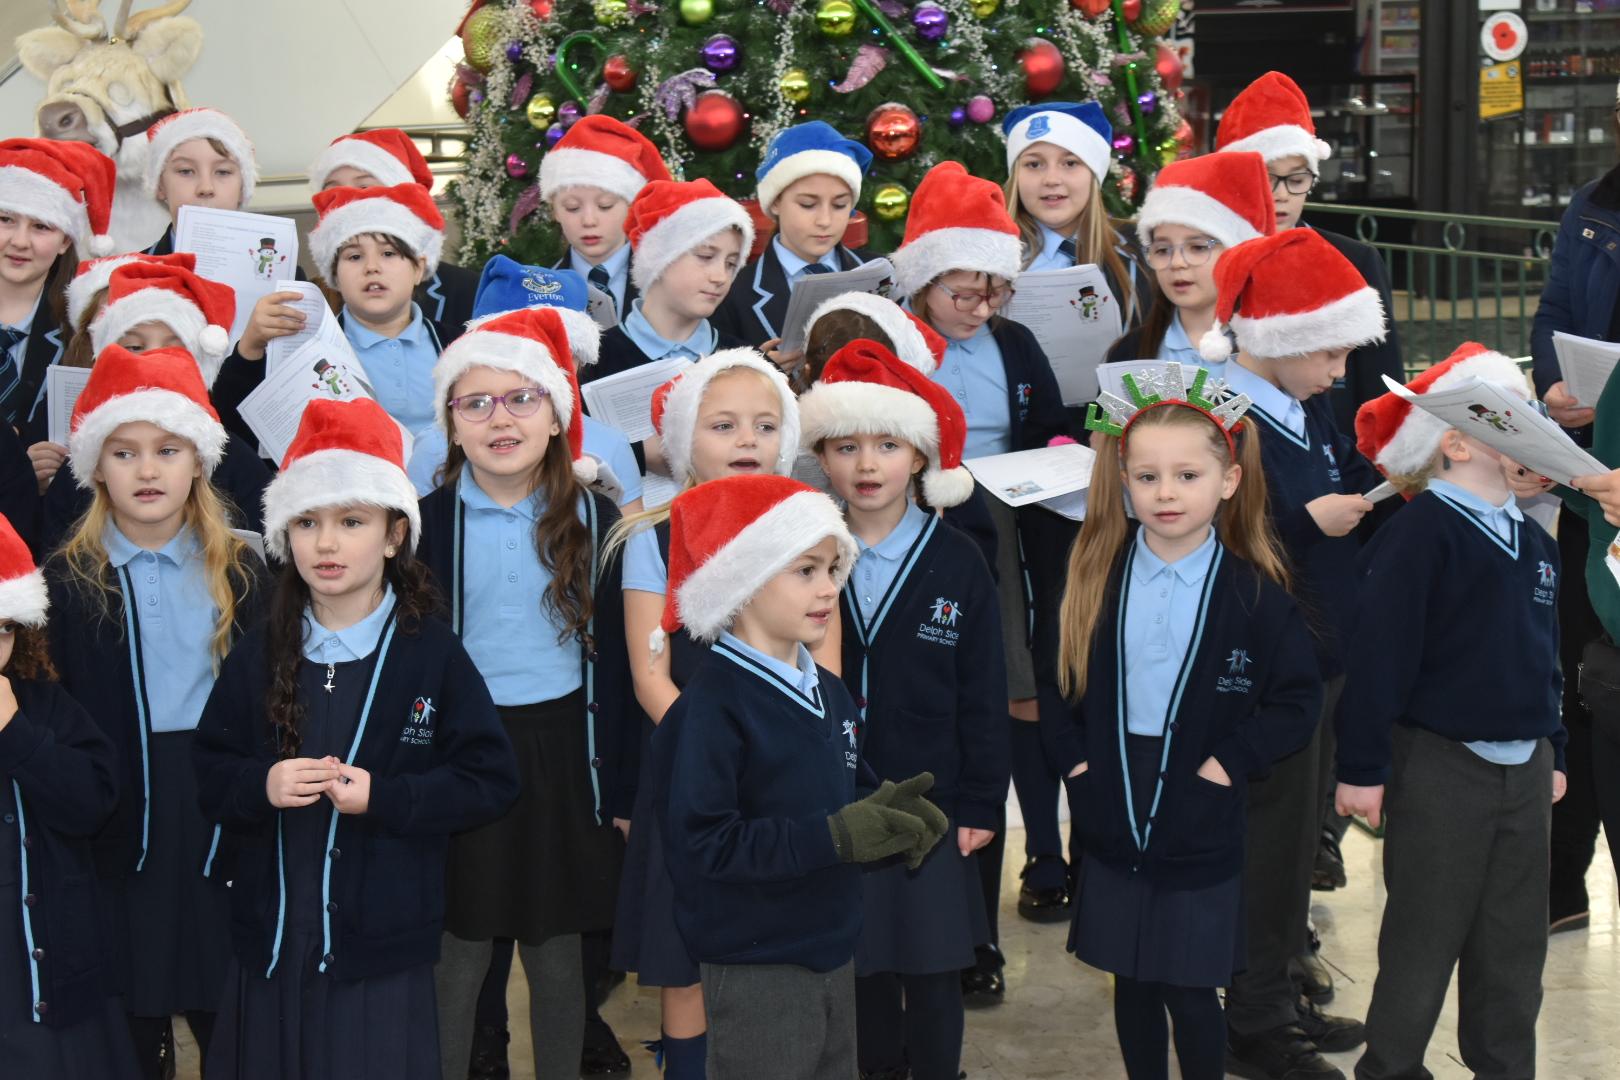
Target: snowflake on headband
{"type": "Point", "coordinates": [1157, 386]}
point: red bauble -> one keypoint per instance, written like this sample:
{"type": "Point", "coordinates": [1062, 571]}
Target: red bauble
{"type": "Point", "coordinates": [460, 99]}
{"type": "Point", "coordinates": [541, 9]}
{"type": "Point", "coordinates": [1132, 10]}
{"type": "Point", "coordinates": [893, 131]}
{"type": "Point", "coordinates": [1168, 65]}
{"type": "Point", "coordinates": [618, 74]}
{"type": "Point", "coordinates": [715, 120]}
{"type": "Point", "coordinates": [1091, 8]}
{"type": "Point", "coordinates": [1043, 67]}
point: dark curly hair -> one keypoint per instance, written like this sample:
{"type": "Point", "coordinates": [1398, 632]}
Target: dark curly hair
{"type": "Point", "coordinates": [30, 655]}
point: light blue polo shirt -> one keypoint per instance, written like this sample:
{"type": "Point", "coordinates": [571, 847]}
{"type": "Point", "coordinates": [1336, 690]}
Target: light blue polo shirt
{"type": "Point", "coordinates": [878, 564]}
{"type": "Point", "coordinates": [323, 646]}
{"type": "Point", "coordinates": [399, 369]}
{"type": "Point", "coordinates": [658, 347]}
{"type": "Point", "coordinates": [1161, 617]}
{"type": "Point", "coordinates": [176, 617]}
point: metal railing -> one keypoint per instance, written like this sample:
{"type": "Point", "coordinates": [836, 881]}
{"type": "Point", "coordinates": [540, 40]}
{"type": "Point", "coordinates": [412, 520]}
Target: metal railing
{"type": "Point", "coordinates": [1457, 277]}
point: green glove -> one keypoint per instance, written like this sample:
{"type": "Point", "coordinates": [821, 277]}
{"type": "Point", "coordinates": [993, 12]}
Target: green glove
{"type": "Point", "coordinates": [908, 798]}
{"type": "Point", "coordinates": [870, 829]}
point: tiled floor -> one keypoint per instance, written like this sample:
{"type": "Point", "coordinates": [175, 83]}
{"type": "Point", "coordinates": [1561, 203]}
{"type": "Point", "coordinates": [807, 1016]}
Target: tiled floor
{"type": "Point", "coordinates": [1057, 1022]}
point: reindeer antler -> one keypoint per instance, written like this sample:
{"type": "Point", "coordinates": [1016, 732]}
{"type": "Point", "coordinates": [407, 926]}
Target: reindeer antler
{"type": "Point", "coordinates": [78, 17]}
{"type": "Point", "coordinates": [138, 21]}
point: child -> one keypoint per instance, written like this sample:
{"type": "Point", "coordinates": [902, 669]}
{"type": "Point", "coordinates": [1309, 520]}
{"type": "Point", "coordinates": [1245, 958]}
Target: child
{"type": "Point", "coordinates": [957, 268]}
{"type": "Point", "coordinates": [589, 180]}
{"type": "Point", "coordinates": [688, 240]}
{"type": "Point", "coordinates": [756, 767]}
{"type": "Point", "coordinates": [342, 745]}
{"type": "Point", "coordinates": [809, 182]}
{"type": "Point", "coordinates": [197, 157]}
{"type": "Point", "coordinates": [515, 543]}
{"type": "Point", "coordinates": [730, 414]}
{"type": "Point", "coordinates": [151, 590]}
{"type": "Point", "coordinates": [1189, 672]}
{"type": "Point", "coordinates": [1455, 737]}
{"type": "Point", "coordinates": [1296, 307]}
{"type": "Point", "coordinates": [854, 316]}
{"type": "Point", "coordinates": [923, 659]}
{"type": "Point", "coordinates": [387, 157]}
{"type": "Point", "coordinates": [1195, 210]}
{"type": "Point", "coordinates": [59, 1012]}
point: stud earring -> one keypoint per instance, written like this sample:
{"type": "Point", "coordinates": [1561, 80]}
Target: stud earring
{"type": "Point", "coordinates": [390, 553]}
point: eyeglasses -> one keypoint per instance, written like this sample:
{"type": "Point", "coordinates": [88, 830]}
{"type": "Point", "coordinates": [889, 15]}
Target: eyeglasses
{"type": "Point", "coordinates": [478, 408]}
{"type": "Point", "coordinates": [1193, 253]}
{"type": "Point", "coordinates": [967, 301]}
{"type": "Point", "coordinates": [1297, 183]}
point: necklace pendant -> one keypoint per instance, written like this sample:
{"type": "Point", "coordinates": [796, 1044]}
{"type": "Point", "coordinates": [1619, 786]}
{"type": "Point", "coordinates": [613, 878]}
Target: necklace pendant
{"type": "Point", "coordinates": [331, 670]}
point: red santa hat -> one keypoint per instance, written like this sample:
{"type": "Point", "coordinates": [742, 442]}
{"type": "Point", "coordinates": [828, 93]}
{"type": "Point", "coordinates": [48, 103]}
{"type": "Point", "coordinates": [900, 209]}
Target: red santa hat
{"type": "Point", "coordinates": [162, 387]}
{"type": "Point", "coordinates": [537, 343]}
{"type": "Point", "coordinates": [1272, 117]}
{"type": "Point", "coordinates": [404, 211]}
{"type": "Point", "coordinates": [345, 453]}
{"type": "Point", "coordinates": [1402, 439]}
{"type": "Point", "coordinates": [386, 153]}
{"type": "Point", "coordinates": [605, 153]}
{"type": "Point", "coordinates": [1227, 197]}
{"type": "Point", "coordinates": [676, 404]}
{"type": "Point", "coordinates": [199, 311]}
{"type": "Point", "coordinates": [163, 137]}
{"type": "Point", "coordinates": [93, 277]}
{"type": "Point", "coordinates": [668, 219]}
{"type": "Point", "coordinates": [867, 390]}
{"type": "Point", "coordinates": [729, 537]}
{"type": "Point", "coordinates": [23, 597]}
{"type": "Point", "coordinates": [66, 184]}
{"type": "Point", "coordinates": [1290, 294]}
{"type": "Point", "coordinates": [957, 222]}
{"type": "Point", "coordinates": [915, 342]}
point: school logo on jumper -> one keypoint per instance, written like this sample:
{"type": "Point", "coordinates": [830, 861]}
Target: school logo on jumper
{"type": "Point", "coordinates": [1023, 393]}
{"type": "Point", "coordinates": [1236, 679]}
{"type": "Point", "coordinates": [1332, 461]}
{"type": "Point", "coordinates": [943, 615]}
{"type": "Point", "coordinates": [945, 611]}
{"type": "Point", "coordinates": [849, 729]}
{"type": "Point", "coordinates": [1546, 584]}
{"type": "Point", "coordinates": [419, 732]}
{"type": "Point", "coordinates": [1038, 127]}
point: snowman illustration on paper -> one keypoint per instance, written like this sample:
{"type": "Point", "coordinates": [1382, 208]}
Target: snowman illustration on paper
{"type": "Point", "coordinates": [266, 259]}
{"type": "Point", "coordinates": [1088, 304]}
{"type": "Point", "coordinates": [330, 376]}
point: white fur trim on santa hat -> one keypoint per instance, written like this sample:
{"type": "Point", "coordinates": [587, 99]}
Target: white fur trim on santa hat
{"type": "Point", "coordinates": [805, 163]}
{"type": "Point", "coordinates": [201, 124]}
{"type": "Point", "coordinates": [1346, 323]}
{"type": "Point", "coordinates": [684, 230]}
{"type": "Point", "coordinates": [712, 594]}
{"type": "Point", "coordinates": [25, 599]}
{"type": "Point", "coordinates": [1282, 141]}
{"type": "Point", "coordinates": [84, 287]}
{"type": "Point", "coordinates": [207, 344]}
{"type": "Point", "coordinates": [686, 397]}
{"type": "Point", "coordinates": [983, 251]}
{"type": "Point", "coordinates": [374, 215]}
{"type": "Point", "coordinates": [1177, 205]}
{"type": "Point", "coordinates": [829, 410]}
{"type": "Point", "coordinates": [1414, 443]}
{"type": "Point", "coordinates": [584, 333]}
{"type": "Point", "coordinates": [173, 412]}
{"type": "Point", "coordinates": [503, 352]}
{"type": "Point", "coordinates": [368, 157]}
{"type": "Point", "coordinates": [573, 166]}
{"type": "Point", "coordinates": [909, 344]}
{"type": "Point", "coordinates": [27, 193]}
{"type": "Point", "coordinates": [336, 478]}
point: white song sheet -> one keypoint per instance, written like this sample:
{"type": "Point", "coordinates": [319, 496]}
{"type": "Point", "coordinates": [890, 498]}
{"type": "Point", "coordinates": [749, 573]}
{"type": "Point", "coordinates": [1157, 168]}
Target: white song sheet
{"type": "Point", "coordinates": [248, 252]}
{"type": "Point", "coordinates": [813, 290]}
{"type": "Point", "coordinates": [63, 386]}
{"type": "Point", "coordinates": [277, 404]}
{"type": "Point", "coordinates": [1032, 476]}
{"type": "Point", "coordinates": [319, 325]}
{"type": "Point", "coordinates": [1586, 365]}
{"type": "Point", "coordinates": [1075, 317]}
{"type": "Point", "coordinates": [624, 400]}
{"type": "Point", "coordinates": [601, 307]}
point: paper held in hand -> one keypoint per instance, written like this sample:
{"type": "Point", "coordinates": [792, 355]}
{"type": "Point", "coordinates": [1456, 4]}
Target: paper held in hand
{"type": "Point", "coordinates": [624, 400]}
{"type": "Point", "coordinates": [1507, 424]}
{"type": "Point", "coordinates": [1075, 317]}
{"type": "Point", "coordinates": [63, 386]}
{"type": "Point", "coordinates": [1380, 493]}
{"type": "Point", "coordinates": [813, 290]}
{"type": "Point", "coordinates": [1586, 364]}
{"type": "Point", "coordinates": [319, 325]}
{"type": "Point", "coordinates": [1051, 475]}
{"type": "Point", "coordinates": [600, 306]}
{"type": "Point", "coordinates": [277, 404]}
{"type": "Point", "coordinates": [248, 252]}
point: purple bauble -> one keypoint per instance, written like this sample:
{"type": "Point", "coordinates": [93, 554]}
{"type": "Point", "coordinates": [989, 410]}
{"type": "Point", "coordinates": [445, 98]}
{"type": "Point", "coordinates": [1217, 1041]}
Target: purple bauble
{"type": "Point", "coordinates": [1124, 143]}
{"type": "Point", "coordinates": [930, 22]}
{"type": "Point", "coordinates": [980, 109]}
{"type": "Point", "coordinates": [476, 97]}
{"type": "Point", "coordinates": [514, 51]}
{"type": "Point", "coordinates": [516, 167]}
{"type": "Point", "coordinates": [554, 135]}
{"type": "Point", "coordinates": [958, 117]}
{"type": "Point", "coordinates": [720, 53]}
{"type": "Point", "coordinates": [568, 114]}
{"type": "Point", "coordinates": [1148, 101]}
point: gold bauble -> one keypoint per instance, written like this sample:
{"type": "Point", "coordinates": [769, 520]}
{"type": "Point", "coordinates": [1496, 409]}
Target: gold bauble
{"type": "Point", "coordinates": [890, 202]}
{"type": "Point", "coordinates": [984, 8]}
{"type": "Point", "coordinates": [478, 38]}
{"type": "Point", "coordinates": [796, 85]}
{"type": "Point", "coordinates": [611, 12]}
{"type": "Point", "coordinates": [835, 18]}
{"type": "Point", "coordinates": [697, 12]}
{"type": "Point", "coordinates": [541, 111]}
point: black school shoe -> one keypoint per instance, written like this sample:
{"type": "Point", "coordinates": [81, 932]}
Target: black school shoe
{"type": "Point", "coordinates": [901, 1073]}
{"type": "Point", "coordinates": [1044, 904]}
{"type": "Point", "coordinates": [1284, 1053]}
{"type": "Point", "coordinates": [983, 983]}
{"type": "Point", "coordinates": [1329, 871]}
{"type": "Point", "coordinates": [489, 1054]}
{"type": "Point", "coordinates": [1311, 974]}
{"type": "Point", "coordinates": [1331, 1034]}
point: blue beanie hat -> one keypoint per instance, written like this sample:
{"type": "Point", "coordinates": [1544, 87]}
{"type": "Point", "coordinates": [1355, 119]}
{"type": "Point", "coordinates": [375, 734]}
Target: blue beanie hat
{"type": "Point", "coordinates": [1083, 130]}
{"type": "Point", "coordinates": [507, 285]}
{"type": "Point", "coordinates": [808, 150]}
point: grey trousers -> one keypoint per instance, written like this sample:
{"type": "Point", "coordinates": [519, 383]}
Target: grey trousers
{"type": "Point", "coordinates": [780, 1021]}
{"type": "Point", "coordinates": [556, 1002]}
{"type": "Point", "coordinates": [1466, 854]}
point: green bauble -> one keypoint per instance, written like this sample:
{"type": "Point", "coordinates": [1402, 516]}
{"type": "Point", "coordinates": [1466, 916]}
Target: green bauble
{"type": "Point", "coordinates": [611, 12]}
{"type": "Point", "coordinates": [478, 38]}
{"type": "Point", "coordinates": [835, 18]}
{"type": "Point", "coordinates": [697, 12]}
{"type": "Point", "coordinates": [796, 85]}
{"type": "Point", "coordinates": [1157, 16]}
{"type": "Point", "coordinates": [890, 202]}
{"type": "Point", "coordinates": [984, 8]}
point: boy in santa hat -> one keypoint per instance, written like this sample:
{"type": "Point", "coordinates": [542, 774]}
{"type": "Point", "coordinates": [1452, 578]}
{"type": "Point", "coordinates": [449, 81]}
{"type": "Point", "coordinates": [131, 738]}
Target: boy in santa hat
{"type": "Point", "coordinates": [1272, 117]}
{"type": "Point", "coordinates": [198, 157]}
{"type": "Point", "coordinates": [589, 179]}
{"type": "Point", "coordinates": [757, 765]}
{"type": "Point", "coordinates": [1452, 728]}
{"type": "Point", "coordinates": [1296, 307]}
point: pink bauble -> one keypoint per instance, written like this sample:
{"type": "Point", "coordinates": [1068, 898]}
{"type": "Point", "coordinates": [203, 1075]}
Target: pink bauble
{"type": "Point", "coordinates": [980, 109]}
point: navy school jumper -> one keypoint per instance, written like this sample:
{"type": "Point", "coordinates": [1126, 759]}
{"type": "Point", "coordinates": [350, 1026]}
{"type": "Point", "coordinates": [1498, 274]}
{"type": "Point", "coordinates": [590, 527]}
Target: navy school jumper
{"type": "Point", "coordinates": [930, 679]}
{"type": "Point", "coordinates": [618, 353]}
{"type": "Point", "coordinates": [1248, 694]}
{"type": "Point", "coordinates": [756, 307]}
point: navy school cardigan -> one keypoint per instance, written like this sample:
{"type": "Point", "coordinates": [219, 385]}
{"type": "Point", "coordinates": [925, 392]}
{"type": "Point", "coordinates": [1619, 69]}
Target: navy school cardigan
{"type": "Point", "coordinates": [756, 306]}
{"type": "Point", "coordinates": [619, 353]}
{"type": "Point", "coordinates": [612, 717]}
{"type": "Point", "coordinates": [62, 772]}
{"type": "Point", "coordinates": [930, 679]}
{"type": "Point", "coordinates": [97, 653]}
{"type": "Point", "coordinates": [383, 886]}
{"type": "Point", "coordinates": [1248, 695]}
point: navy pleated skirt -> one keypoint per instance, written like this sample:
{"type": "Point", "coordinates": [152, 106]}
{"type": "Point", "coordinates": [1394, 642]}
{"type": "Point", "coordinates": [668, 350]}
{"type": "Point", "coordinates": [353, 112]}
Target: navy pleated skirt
{"type": "Point", "coordinates": [923, 921]}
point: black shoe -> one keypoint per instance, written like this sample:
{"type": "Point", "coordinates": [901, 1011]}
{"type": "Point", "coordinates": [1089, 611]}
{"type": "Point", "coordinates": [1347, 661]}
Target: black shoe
{"type": "Point", "coordinates": [609, 982]}
{"type": "Point", "coordinates": [489, 1054]}
{"type": "Point", "coordinates": [168, 1057]}
{"type": "Point", "coordinates": [1312, 977]}
{"type": "Point", "coordinates": [1329, 872]}
{"type": "Point", "coordinates": [1331, 1034]}
{"type": "Point", "coordinates": [983, 983]}
{"type": "Point", "coordinates": [901, 1073]}
{"type": "Point", "coordinates": [1044, 904]}
{"type": "Point", "coordinates": [1280, 1054]}
{"type": "Point", "coordinates": [603, 1061]}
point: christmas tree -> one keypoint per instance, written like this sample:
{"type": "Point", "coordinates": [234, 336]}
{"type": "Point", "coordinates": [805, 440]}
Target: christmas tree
{"type": "Point", "coordinates": [710, 81]}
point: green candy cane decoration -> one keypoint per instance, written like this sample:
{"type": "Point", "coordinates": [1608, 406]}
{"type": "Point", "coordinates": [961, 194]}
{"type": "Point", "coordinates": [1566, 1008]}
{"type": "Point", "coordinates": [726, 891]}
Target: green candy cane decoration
{"type": "Point", "coordinates": [563, 64]}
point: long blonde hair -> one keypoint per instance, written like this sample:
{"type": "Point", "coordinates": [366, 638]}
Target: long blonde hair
{"type": "Point", "coordinates": [1241, 524]}
{"type": "Point", "coordinates": [1096, 239]}
{"type": "Point", "coordinates": [223, 554]}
